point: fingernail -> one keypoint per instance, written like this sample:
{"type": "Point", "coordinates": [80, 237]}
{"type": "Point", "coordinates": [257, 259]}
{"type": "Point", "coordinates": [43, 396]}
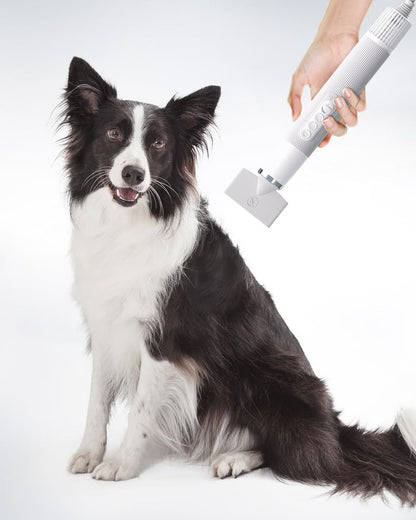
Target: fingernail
{"type": "Point", "coordinates": [347, 92]}
{"type": "Point", "coordinates": [339, 102]}
{"type": "Point", "coordinates": [329, 123]}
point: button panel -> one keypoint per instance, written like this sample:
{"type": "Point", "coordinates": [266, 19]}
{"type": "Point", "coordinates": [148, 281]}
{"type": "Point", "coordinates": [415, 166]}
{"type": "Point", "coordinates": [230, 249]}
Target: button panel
{"type": "Point", "coordinates": [315, 123]}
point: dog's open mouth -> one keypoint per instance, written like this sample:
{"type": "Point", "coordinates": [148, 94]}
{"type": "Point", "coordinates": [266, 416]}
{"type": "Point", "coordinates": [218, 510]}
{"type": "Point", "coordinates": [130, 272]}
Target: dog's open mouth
{"type": "Point", "coordinates": [125, 196]}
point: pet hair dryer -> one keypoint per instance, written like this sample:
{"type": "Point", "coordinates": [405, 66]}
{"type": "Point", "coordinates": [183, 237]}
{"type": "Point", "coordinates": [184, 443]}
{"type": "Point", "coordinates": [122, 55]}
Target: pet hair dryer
{"type": "Point", "coordinates": [257, 193]}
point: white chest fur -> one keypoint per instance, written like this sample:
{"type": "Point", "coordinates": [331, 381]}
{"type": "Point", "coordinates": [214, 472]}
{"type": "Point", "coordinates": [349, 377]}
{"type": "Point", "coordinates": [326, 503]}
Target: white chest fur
{"type": "Point", "coordinates": [123, 263]}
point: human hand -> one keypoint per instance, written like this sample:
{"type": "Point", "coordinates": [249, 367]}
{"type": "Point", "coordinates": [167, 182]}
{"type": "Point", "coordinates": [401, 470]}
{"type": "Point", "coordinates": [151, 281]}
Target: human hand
{"type": "Point", "coordinates": [347, 112]}
{"type": "Point", "coordinates": [321, 59]}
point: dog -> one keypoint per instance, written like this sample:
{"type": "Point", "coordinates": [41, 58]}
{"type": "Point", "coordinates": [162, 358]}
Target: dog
{"type": "Point", "coordinates": [177, 323]}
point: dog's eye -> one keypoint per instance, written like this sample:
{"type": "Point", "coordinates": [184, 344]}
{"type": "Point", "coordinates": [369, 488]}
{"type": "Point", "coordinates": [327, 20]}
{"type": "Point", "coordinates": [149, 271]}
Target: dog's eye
{"type": "Point", "coordinates": [158, 144]}
{"type": "Point", "coordinates": [114, 134]}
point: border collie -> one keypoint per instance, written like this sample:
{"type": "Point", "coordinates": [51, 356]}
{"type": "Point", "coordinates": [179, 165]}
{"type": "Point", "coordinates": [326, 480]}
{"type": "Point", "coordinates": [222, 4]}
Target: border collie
{"type": "Point", "coordinates": [177, 323]}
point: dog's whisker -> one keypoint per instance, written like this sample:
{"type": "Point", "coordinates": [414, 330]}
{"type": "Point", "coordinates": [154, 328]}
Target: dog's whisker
{"type": "Point", "coordinates": [99, 179]}
{"type": "Point", "coordinates": [164, 188]}
{"type": "Point", "coordinates": [94, 175]}
{"type": "Point", "coordinates": [152, 201]}
{"type": "Point", "coordinates": [104, 170]}
{"type": "Point", "coordinates": [158, 202]}
{"type": "Point", "coordinates": [161, 208]}
{"type": "Point", "coordinates": [166, 183]}
{"type": "Point", "coordinates": [99, 182]}
{"type": "Point", "coordinates": [95, 172]}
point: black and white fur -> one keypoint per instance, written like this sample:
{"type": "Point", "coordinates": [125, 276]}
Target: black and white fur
{"type": "Point", "coordinates": [179, 326]}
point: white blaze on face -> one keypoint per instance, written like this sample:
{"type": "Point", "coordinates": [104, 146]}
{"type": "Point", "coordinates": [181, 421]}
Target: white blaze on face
{"type": "Point", "coordinates": [133, 155]}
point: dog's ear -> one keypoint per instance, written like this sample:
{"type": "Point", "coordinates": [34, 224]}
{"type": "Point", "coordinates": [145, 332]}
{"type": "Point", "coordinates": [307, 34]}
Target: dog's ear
{"type": "Point", "coordinates": [86, 89]}
{"type": "Point", "coordinates": [195, 112]}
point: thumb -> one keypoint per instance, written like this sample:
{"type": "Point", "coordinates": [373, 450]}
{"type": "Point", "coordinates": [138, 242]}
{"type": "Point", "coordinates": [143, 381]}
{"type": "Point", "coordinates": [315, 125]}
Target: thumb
{"type": "Point", "coordinates": [295, 94]}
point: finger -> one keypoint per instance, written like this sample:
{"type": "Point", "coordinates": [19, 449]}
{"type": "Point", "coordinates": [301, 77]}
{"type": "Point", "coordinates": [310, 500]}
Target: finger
{"type": "Point", "coordinates": [325, 141]}
{"type": "Point", "coordinates": [348, 114]}
{"type": "Point", "coordinates": [334, 128]}
{"type": "Point", "coordinates": [363, 102]}
{"type": "Point", "coordinates": [295, 95]}
{"type": "Point", "coordinates": [357, 102]}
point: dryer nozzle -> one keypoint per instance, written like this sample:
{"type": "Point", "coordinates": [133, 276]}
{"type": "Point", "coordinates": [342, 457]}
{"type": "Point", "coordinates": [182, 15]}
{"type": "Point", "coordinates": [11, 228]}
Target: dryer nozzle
{"type": "Point", "coordinates": [265, 207]}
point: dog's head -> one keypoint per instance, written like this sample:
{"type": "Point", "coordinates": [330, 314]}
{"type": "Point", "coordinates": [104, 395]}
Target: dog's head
{"type": "Point", "coordinates": [131, 148]}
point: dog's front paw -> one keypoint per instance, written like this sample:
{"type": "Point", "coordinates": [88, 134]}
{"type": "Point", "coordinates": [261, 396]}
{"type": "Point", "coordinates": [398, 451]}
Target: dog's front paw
{"type": "Point", "coordinates": [115, 469]}
{"type": "Point", "coordinates": [84, 461]}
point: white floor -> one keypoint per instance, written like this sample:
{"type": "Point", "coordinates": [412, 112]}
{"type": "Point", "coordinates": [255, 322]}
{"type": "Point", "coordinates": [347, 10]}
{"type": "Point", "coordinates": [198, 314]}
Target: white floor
{"type": "Point", "coordinates": [339, 261]}
{"type": "Point", "coordinates": [43, 426]}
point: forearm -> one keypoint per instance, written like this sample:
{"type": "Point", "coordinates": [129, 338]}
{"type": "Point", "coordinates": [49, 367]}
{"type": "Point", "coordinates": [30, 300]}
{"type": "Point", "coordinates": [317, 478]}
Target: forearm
{"type": "Point", "coordinates": [343, 17]}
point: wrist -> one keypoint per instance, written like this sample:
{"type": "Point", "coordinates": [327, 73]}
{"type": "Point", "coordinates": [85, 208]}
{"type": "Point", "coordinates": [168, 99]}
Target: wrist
{"type": "Point", "coordinates": [334, 45]}
{"type": "Point", "coordinates": [335, 37]}
{"type": "Point", "coordinates": [343, 18]}
{"type": "Point", "coordinates": [331, 31]}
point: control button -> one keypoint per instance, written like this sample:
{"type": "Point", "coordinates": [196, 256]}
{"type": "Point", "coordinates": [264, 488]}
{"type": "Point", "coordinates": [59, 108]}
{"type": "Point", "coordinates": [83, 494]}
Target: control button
{"type": "Point", "coordinates": [319, 117]}
{"type": "Point", "coordinates": [306, 134]}
{"type": "Point", "coordinates": [327, 107]}
{"type": "Point", "coordinates": [313, 125]}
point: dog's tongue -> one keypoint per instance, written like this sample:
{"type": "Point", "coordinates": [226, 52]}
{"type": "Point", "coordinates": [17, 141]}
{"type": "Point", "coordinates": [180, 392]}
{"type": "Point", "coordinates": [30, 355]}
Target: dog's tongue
{"type": "Point", "coordinates": [127, 194]}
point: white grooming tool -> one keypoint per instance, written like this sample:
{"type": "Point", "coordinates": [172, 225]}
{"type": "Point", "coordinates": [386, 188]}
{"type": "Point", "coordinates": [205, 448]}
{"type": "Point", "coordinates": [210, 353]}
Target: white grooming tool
{"type": "Point", "coordinates": [257, 193]}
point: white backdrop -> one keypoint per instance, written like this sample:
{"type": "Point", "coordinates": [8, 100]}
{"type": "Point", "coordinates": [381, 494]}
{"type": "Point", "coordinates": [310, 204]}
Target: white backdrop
{"type": "Point", "coordinates": [339, 261]}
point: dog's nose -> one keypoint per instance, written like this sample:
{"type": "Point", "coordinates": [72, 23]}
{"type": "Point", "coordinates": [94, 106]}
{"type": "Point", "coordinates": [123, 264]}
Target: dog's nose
{"type": "Point", "coordinates": [132, 175]}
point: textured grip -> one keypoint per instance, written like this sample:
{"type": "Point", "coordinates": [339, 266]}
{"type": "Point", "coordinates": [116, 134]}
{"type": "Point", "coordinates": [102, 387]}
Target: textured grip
{"type": "Point", "coordinates": [354, 72]}
{"type": "Point", "coordinates": [390, 27]}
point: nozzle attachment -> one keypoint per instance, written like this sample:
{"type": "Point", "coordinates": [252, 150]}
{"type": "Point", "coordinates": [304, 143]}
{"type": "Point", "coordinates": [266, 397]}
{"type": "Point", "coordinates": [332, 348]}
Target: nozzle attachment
{"type": "Point", "coordinates": [265, 208]}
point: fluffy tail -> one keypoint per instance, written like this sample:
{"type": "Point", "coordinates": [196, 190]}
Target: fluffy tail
{"type": "Point", "coordinates": [316, 448]}
{"type": "Point", "coordinates": [301, 437]}
{"type": "Point", "coordinates": [375, 462]}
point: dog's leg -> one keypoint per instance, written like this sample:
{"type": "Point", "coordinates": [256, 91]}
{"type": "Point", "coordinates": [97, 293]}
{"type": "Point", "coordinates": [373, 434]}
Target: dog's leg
{"type": "Point", "coordinates": [91, 450]}
{"type": "Point", "coordinates": [236, 463]}
{"type": "Point", "coordinates": [145, 408]}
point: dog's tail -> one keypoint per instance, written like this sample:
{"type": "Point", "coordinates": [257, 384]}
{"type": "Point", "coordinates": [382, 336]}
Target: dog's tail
{"type": "Point", "coordinates": [319, 449]}
{"type": "Point", "coordinates": [304, 440]}
{"type": "Point", "coordinates": [375, 462]}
